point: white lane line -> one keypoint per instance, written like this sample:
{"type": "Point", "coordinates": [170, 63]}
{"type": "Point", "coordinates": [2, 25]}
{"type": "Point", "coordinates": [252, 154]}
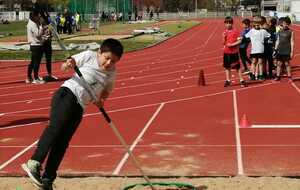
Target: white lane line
{"type": "Point", "coordinates": [170, 145]}
{"type": "Point", "coordinates": [295, 86]}
{"type": "Point", "coordinates": [17, 155]}
{"type": "Point", "coordinates": [275, 126]}
{"type": "Point", "coordinates": [131, 86]}
{"type": "Point", "coordinates": [145, 105]}
{"type": "Point", "coordinates": [237, 136]}
{"type": "Point", "coordinates": [139, 137]}
{"type": "Point", "coordinates": [23, 125]}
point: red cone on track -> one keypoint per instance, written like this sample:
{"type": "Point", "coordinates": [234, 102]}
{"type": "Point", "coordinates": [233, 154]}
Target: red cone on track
{"type": "Point", "coordinates": [244, 123]}
{"type": "Point", "coordinates": [201, 79]}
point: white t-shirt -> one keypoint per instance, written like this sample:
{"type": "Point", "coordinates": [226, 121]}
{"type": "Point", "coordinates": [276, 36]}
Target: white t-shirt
{"type": "Point", "coordinates": [257, 38]}
{"type": "Point", "coordinates": [34, 33]}
{"type": "Point", "coordinates": [94, 75]}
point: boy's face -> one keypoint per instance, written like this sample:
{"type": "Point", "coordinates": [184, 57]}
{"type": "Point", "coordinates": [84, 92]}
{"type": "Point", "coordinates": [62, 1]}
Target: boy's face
{"type": "Point", "coordinates": [285, 25]}
{"type": "Point", "coordinates": [228, 25]}
{"type": "Point", "coordinates": [256, 26]}
{"type": "Point", "coordinates": [245, 25]}
{"type": "Point", "coordinates": [107, 60]}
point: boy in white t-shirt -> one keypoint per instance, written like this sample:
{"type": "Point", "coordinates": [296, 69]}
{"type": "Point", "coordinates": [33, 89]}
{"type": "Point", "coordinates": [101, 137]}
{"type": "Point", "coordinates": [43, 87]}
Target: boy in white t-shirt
{"type": "Point", "coordinates": [257, 37]}
{"type": "Point", "coordinates": [67, 106]}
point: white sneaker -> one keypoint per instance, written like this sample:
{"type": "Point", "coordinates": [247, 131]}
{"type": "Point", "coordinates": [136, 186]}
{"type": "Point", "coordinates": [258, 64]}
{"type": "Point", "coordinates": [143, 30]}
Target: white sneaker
{"type": "Point", "coordinates": [53, 77]}
{"type": "Point", "coordinates": [28, 81]}
{"type": "Point", "coordinates": [33, 170]}
{"type": "Point", "coordinates": [38, 81]}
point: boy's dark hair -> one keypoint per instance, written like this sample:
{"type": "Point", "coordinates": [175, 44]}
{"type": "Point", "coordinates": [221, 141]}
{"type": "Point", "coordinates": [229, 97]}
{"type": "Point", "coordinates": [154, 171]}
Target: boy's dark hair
{"type": "Point", "coordinates": [273, 21]}
{"type": "Point", "coordinates": [263, 20]}
{"type": "Point", "coordinates": [280, 20]}
{"type": "Point", "coordinates": [34, 13]}
{"type": "Point", "coordinates": [112, 45]}
{"type": "Point", "coordinates": [228, 19]}
{"type": "Point", "coordinates": [256, 20]}
{"type": "Point", "coordinates": [246, 21]}
{"type": "Point", "coordinates": [287, 20]}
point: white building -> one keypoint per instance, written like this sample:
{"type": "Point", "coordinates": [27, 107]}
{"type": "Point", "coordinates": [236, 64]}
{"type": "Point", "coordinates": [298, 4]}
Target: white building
{"type": "Point", "coordinates": [276, 5]}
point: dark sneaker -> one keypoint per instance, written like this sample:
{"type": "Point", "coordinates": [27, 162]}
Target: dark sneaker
{"type": "Point", "coordinates": [261, 78]}
{"type": "Point", "coordinates": [243, 83]}
{"type": "Point", "coordinates": [252, 76]}
{"type": "Point", "coordinates": [33, 169]}
{"type": "Point", "coordinates": [47, 184]}
{"type": "Point", "coordinates": [50, 78]}
{"type": "Point", "coordinates": [38, 81]}
{"type": "Point", "coordinates": [227, 83]}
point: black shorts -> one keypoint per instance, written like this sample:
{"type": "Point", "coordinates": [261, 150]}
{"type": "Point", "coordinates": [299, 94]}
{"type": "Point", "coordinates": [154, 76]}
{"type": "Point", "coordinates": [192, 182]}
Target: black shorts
{"type": "Point", "coordinates": [283, 58]}
{"type": "Point", "coordinates": [257, 55]}
{"type": "Point", "coordinates": [231, 61]}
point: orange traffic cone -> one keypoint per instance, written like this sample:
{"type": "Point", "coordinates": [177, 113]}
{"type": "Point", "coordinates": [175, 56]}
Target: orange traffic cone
{"type": "Point", "coordinates": [244, 123]}
{"type": "Point", "coordinates": [201, 79]}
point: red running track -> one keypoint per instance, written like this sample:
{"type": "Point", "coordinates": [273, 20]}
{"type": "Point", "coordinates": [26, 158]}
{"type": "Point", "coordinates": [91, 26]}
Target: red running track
{"type": "Point", "coordinates": [173, 126]}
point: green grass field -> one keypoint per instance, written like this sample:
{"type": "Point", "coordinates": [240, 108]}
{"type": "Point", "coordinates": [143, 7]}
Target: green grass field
{"type": "Point", "coordinates": [18, 31]}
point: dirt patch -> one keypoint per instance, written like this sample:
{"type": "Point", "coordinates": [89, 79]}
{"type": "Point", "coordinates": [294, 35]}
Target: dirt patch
{"type": "Point", "coordinates": [102, 183]}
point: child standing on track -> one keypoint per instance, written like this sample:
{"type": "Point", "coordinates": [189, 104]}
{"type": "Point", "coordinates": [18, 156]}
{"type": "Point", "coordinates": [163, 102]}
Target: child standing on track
{"type": "Point", "coordinates": [285, 48]}
{"type": "Point", "coordinates": [231, 40]}
{"type": "Point", "coordinates": [68, 102]}
{"type": "Point", "coordinates": [270, 27]}
{"type": "Point", "coordinates": [244, 45]}
{"type": "Point", "coordinates": [257, 37]}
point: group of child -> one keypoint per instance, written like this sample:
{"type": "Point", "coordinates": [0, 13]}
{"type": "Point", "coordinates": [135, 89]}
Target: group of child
{"type": "Point", "coordinates": [272, 47]}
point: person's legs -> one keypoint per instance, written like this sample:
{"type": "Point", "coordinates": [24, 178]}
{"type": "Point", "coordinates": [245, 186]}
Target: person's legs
{"type": "Point", "coordinates": [227, 67]}
{"type": "Point", "coordinates": [260, 69]}
{"type": "Point", "coordinates": [60, 146]}
{"type": "Point", "coordinates": [288, 69]}
{"type": "Point", "coordinates": [37, 53]}
{"type": "Point", "coordinates": [58, 150]}
{"type": "Point", "coordinates": [62, 106]}
{"type": "Point", "coordinates": [48, 54]}
{"type": "Point", "coordinates": [278, 70]}
{"type": "Point", "coordinates": [253, 68]}
{"type": "Point", "coordinates": [270, 66]}
{"type": "Point", "coordinates": [243, 54]}
{"type": "Point", "coordinates": [29, 69]}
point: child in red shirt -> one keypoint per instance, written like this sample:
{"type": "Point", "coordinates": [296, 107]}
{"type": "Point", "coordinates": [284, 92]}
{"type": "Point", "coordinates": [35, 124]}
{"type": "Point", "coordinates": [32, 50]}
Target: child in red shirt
{"type": "Point", "coordinates": [231, 41]}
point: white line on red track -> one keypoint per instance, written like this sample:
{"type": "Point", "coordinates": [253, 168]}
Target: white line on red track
{"type": "Point", "coordinates": [117, 88]}
{"type": "Point", "coordinates": [295, 86]}
{"type": "Point", "coordinates": [161, 145]}
{"type": "Point", "coordinates": [149, 105]}
{"type": "Point", "coordinates": [17, 155]}
{"type": "Point", "coordinates": [136, 141]}
{"type": "Point", "coordinates": [275, 126]}
{"type": "Point", "coordinates": [237, 136]}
